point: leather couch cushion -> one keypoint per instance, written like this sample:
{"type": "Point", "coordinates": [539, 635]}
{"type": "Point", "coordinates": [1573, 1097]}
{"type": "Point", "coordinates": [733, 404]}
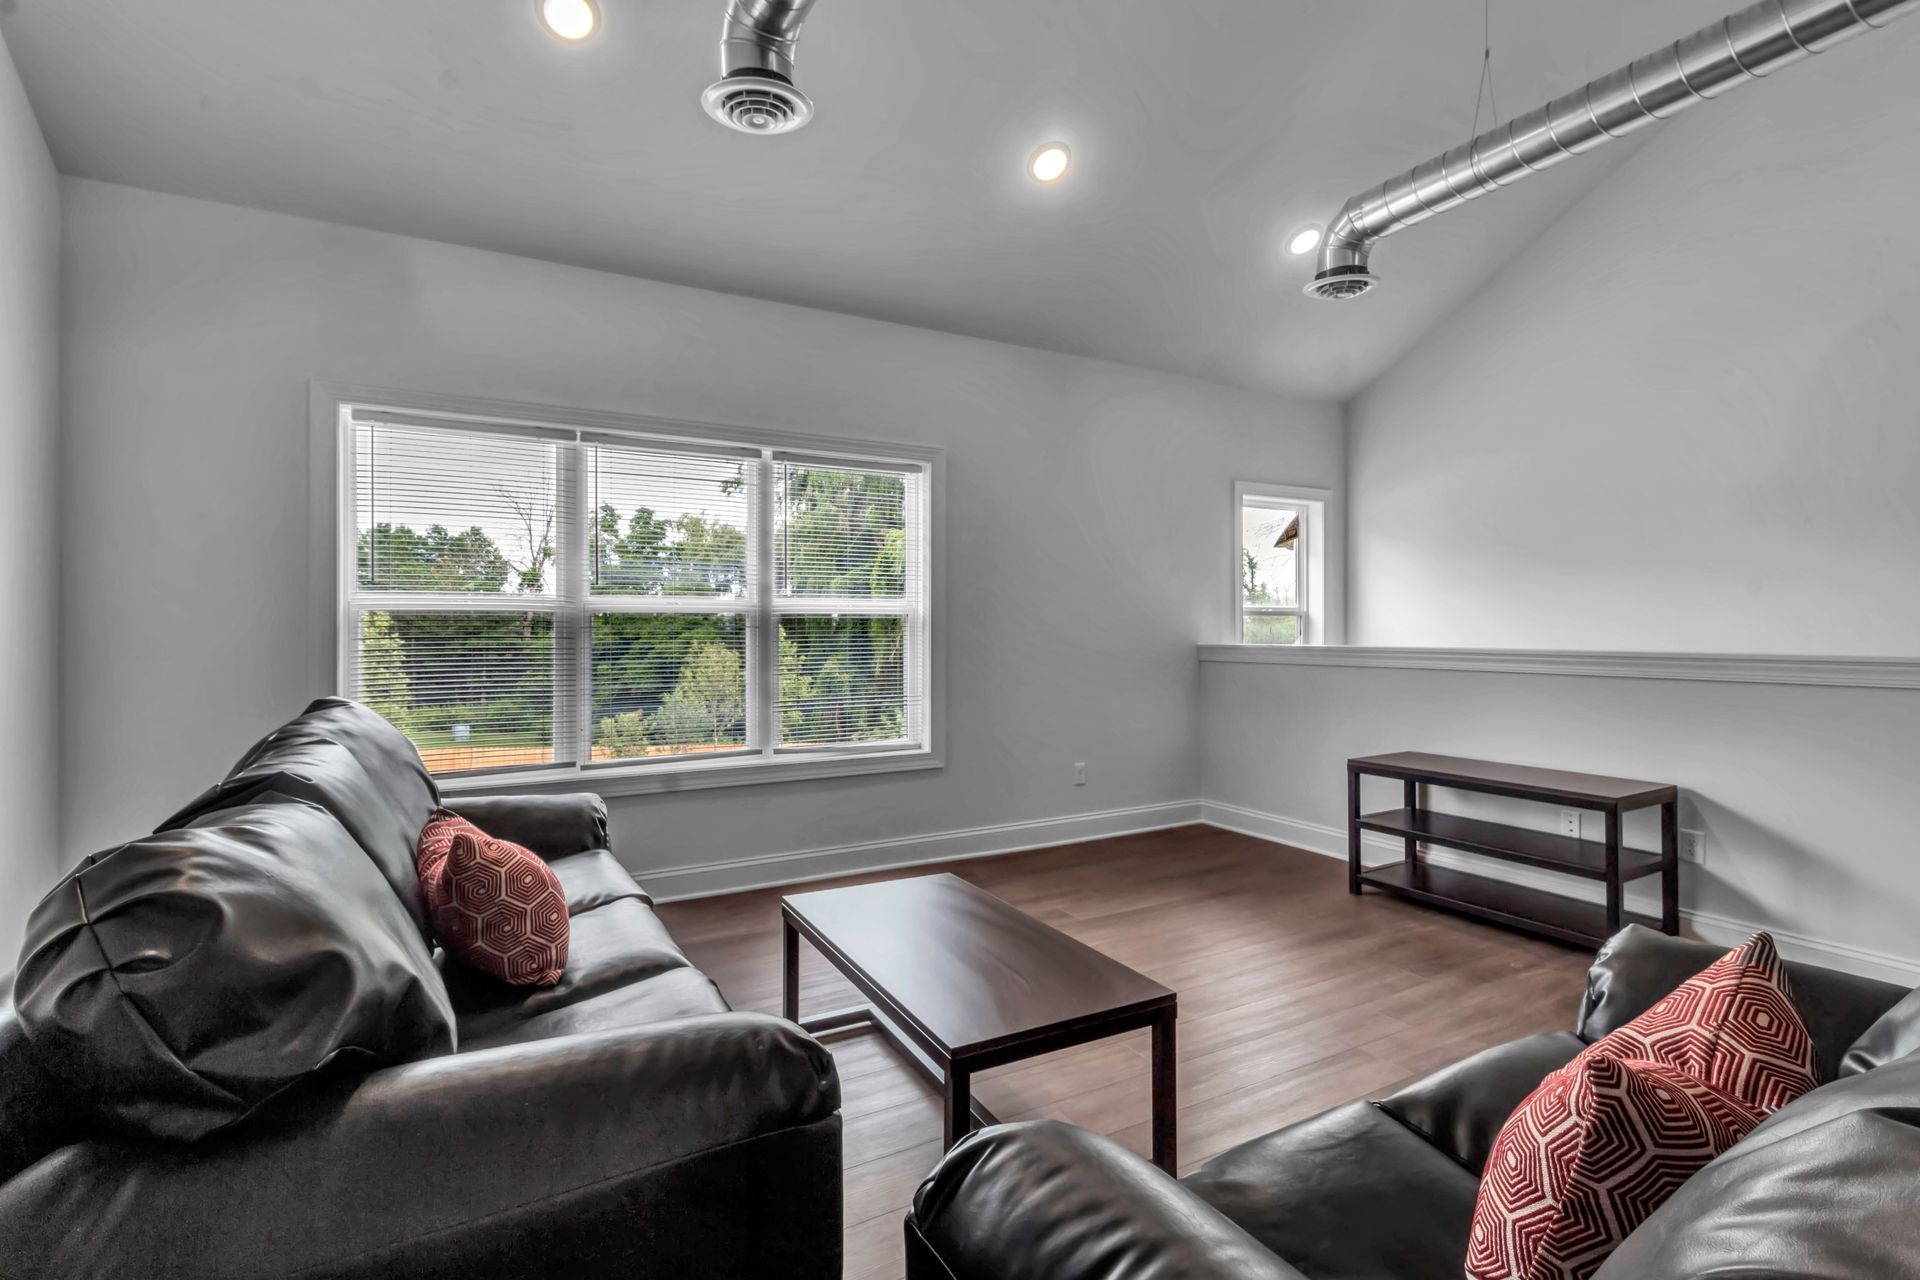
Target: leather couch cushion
{"type": "Point", "coordinates": [1823, 1188]}
{"type": "Point", "coordinates": [1351, 1194]}
{"type": "Point", "coordinates": [32, 1108]}
{"type": "Point", "coordinates": [178, 982]}
{"type": "Point", "coordinates": [593, 879]}
{"type": "Point", "coordinates": [620, 943]}
{"type": "Point", "coordinates": [1895, 1035]}
{"type": "Point", "coordinates": [347, 759]}
{"type": "Point", "coordinates": [1639, 965]}
{"type": "Point", "coordinates": [1596, 1148]}
{"type": "Point", "coordinates": [1460, 1108]}
{"type": "Point", "coordinates": [677, 993]}
{"type": "Point", "coordinates": [492, 904]}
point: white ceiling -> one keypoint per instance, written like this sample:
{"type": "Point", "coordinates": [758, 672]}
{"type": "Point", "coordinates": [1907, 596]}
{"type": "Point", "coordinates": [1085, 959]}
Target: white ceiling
{"type": "Point", "coordinates": [1203, 133]}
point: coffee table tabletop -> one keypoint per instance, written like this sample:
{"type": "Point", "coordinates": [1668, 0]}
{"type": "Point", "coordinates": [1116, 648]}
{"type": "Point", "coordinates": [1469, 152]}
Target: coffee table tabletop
{"type": "Point", "coordinates": [960, 982]}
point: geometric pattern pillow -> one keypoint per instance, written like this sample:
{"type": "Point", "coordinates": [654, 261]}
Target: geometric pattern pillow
{"type": "Point", "coordinates": [1587, 1158]}
{"type": "Point", "coordinates": [1733, 1026]}
{"type": "Point", "coordinates": [492, 904]}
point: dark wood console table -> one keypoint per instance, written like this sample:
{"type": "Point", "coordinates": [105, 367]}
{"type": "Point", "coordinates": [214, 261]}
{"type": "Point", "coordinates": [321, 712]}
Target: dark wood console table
{"type": "Point", "coordinates": [1549, 914]}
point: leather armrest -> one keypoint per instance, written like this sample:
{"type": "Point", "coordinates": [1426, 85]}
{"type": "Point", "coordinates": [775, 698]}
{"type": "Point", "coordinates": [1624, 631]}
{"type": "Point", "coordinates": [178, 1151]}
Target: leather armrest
{"type": "Point", "coordinates": [411, 1168]}
{"type": "Point", "coordinates": [551, 826]}
{"type": "Point", "coordinates": [1047, 1201]}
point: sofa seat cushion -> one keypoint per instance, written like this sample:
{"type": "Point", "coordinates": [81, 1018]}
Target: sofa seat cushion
{"type": "Point", "coordinates": [1825, 1187]}
{"type": "Point", "coordinates": [175, 984]}
{"type": "Point", "coordinates": [1460, 1108]}
{"type": "Point", "coordinates": [1351, 1194]}
{"type": "Point", "coordinates": [592, 879]}
{"type": "Point", "coordinates": [348, 760]}
{"type": "Point", "coordinates": [610, 947]}
{"type": "Point", "coordinates": [665, 997]}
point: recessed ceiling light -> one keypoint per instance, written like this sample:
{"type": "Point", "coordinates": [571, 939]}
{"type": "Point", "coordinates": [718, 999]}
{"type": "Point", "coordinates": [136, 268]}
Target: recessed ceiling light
{"type": "Point", "coordinates": [1049, 163]}
{"type": "Point", "coordinates": [571, 20]}
{"type": "Point", "coordinates": [1304, 241]}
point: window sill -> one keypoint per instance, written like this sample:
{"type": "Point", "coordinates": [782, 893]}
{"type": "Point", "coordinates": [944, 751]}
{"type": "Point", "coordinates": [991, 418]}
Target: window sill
{"type": "Point", "coordinates": [654, 779]}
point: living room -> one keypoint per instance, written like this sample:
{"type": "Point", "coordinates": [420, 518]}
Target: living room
{"type": "Point", "coordinates": [1041, 473]}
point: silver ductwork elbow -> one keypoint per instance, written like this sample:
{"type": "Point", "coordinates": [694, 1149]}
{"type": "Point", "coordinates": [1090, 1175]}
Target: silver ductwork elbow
{"type": "Point", "coordinates": [1729, 53]}
{"type": "Point", "coordinates": [755, 92]}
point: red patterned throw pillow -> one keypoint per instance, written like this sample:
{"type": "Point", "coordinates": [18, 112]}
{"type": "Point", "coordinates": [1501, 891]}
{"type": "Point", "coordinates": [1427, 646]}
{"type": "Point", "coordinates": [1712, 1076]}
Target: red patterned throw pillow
{"type": "Point", "coordinates": [1587, 1158]}
{"type": "Point", "coordinates": [1732, 1025]}
{"type": "Point", "coordinates": [1607, 1138]}
{"type": "Point", "coordinates": [492, 903]}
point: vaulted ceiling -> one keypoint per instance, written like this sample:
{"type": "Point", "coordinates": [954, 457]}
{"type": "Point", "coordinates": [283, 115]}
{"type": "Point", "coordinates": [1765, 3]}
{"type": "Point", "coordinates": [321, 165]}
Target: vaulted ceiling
{"type": "Point", "coordinates": [1203, 132]}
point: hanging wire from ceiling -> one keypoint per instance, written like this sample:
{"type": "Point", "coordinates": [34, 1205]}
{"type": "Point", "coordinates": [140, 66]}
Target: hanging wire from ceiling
{"type": "Point", "coordinates": [1485, 90]}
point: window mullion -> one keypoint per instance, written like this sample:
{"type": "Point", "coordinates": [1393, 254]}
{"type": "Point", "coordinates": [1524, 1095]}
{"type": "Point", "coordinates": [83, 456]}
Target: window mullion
{"type": "Point", "coordinates": [763, 631]}
{"type": "Point", "coordinates": [573, 630]}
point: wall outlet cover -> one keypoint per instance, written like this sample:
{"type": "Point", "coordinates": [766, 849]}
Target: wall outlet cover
{"type": "Point", "coordinates": [1570, 823]}
{"type": "Point", "coordinates": [1693, 847]}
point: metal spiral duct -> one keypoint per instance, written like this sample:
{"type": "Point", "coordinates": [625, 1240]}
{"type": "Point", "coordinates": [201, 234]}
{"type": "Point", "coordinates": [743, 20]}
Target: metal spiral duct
{"type": "Point", "coordinates": [1737, 49]}
{"type": "Point", "coordinates": [755, 92]}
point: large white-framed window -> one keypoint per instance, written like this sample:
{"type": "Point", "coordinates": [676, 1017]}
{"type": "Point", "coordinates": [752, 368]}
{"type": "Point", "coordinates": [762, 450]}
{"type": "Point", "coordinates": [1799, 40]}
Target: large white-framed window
{"type": "Point", "coordinates": [1280, 566]}
{"type": "Point", "coordinates": [549, 597]}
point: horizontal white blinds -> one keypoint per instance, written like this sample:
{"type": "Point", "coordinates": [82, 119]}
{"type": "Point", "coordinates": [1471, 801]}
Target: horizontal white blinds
{"type": "Point", "coordinates": [449, 510]}
{"type": "Point", "coordinates": [668, 523]}
{"type": "Point", "coordinates": [525, 598]}
{"type": "Point", "coordinates": [841, 531]}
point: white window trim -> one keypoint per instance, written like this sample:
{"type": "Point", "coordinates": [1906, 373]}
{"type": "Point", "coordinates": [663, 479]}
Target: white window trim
{"type": "Point", "coordinates": [1317, 567]}
{"type": "Point", "coordinates": [329, 584]}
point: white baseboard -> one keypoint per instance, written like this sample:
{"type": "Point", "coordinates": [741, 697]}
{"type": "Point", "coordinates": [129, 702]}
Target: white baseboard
{"type": "Point", "coordinates": [1332, 842]}
{"type": "Point", "coordinates": [673, 884]}
{"type": "Point", "coordinates": [703, 880]}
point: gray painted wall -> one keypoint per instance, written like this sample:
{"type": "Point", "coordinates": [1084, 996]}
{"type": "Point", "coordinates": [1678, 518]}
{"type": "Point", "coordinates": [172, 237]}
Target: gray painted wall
{"type": "Point", "coordinates": [1688, 416]}
{"type": "Point", "coordinates": [29, 572]}
{"type": "Point", "coordinates": [1087, 513]}
{"type": "Point", "coordinates": [1803, 793]}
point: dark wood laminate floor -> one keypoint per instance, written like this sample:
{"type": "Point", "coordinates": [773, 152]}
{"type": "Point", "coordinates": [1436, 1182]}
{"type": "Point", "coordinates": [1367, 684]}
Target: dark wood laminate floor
{"type": "Point", "coordinates": [1294, 996]}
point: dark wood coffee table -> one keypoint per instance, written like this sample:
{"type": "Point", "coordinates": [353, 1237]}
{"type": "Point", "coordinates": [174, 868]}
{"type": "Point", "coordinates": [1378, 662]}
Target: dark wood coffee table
{"type": "Point", "coordinates": [961, 982]}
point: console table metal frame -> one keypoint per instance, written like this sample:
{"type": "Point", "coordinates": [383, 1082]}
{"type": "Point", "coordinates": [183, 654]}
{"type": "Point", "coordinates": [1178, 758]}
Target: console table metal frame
{"type": "Point", "coordinates": [1536, 911]}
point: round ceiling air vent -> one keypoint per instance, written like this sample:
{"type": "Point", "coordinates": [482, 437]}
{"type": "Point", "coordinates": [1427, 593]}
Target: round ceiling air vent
{"type": "Point", "coordinates": [1340, 283]}
{"type": "Point", "coordinates": [757, 102]}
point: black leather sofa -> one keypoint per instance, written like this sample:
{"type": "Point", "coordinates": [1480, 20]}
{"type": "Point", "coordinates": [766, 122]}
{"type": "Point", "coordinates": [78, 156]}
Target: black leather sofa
{"type": "Point", "coordinates": [623, 1122]}
{"type": "Point", "coordinates": [1828, 1186]}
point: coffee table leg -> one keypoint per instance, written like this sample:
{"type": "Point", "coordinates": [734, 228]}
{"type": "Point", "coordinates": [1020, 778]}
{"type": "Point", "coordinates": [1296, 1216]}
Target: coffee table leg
{"type": "Point", "coordinates": [789, 971]}
{"type": "Point", "coordinates": [957, 1105]}
{"type": "Point", "coordinates": [1165, 1100]}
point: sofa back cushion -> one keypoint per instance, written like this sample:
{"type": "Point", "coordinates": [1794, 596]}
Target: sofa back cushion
{"type": "Point", "coordinates": [1638, 967]}
{"type": "Point", "coordinates": [350, 761]}
{"type": "Point", "coordinates": [175, 984]}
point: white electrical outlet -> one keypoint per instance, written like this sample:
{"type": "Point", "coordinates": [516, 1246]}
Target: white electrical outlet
{"type": "Point", "coordinates": [1080, 774]}
{"type": "Point", "coordinates": [1693, 846]}
{"type": "Point", "coordinates": [1570, 823]}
